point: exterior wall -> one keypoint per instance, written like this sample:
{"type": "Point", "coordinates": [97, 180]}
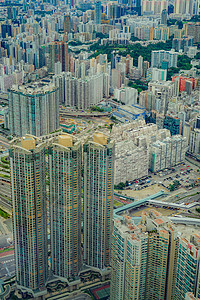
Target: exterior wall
{"type": "Point", "coordinates": [188, 268]}
{"type": "Point", "coordinates": [128, 262]}
{"type": "Point", "coordinates": [28, 170]}
{"type": "Point", "coordinates": [65, 209]}
{"type": "Point", "coordinates": [167, 153]}
{"type": "Point", "coordinates": [36, 114]}
{"type": "Point", "coordinates": [98, 163]}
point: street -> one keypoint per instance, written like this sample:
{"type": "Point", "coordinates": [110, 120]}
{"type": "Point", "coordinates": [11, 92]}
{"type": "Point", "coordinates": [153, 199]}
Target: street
{"type": "Point", "coordinates": [7, 265]}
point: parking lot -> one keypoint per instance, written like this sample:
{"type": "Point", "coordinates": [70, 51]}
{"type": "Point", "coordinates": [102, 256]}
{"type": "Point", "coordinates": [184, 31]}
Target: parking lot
{"type": "Point", "coordinates": [186, 174]}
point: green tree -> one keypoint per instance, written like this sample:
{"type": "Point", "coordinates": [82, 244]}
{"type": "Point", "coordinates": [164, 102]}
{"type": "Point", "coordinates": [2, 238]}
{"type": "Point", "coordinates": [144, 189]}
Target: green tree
{"type": "Point", "coordinates": [176, 183]}
{"type": "Point", "coordinates": [120, 186]}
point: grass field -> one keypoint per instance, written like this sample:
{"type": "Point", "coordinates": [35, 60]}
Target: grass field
{"type": "Point", "coordinates": [117, 204]}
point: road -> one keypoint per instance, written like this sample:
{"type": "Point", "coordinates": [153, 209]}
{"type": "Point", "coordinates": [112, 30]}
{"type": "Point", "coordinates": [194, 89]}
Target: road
{"type": "Point", "coordinates": [7, 266]}
{"type": "Point", "coordinates": [4, 141]}
{"type": "Point", "coordinates": [4, 203]}
{"type": "Point", "coordinates": [65, 296]}
{"type": "Point", "coordinates": [64, 113]}
{"type": "Point", "coordinates": [79, 297]}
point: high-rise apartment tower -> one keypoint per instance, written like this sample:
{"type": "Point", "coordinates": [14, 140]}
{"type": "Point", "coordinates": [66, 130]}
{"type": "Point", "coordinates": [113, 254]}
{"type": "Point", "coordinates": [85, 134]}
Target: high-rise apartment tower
{"type": "Point", "coordinates": [28, 175]}
{"type": "Point", "coordinates": [65, 206]}
{"type": "Point", "coordinates": [98, 161]}
{"type": "Point", "coordinates": [33, 109]}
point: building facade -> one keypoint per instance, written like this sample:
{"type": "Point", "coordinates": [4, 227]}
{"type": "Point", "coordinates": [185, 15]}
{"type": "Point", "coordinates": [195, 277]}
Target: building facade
{"type": "Point", "coordinates": [83, 93]}
{"type": "Point", "coordinates": [58, 51]}
{"type": "Point", "coordinates": [188, 268]}
{"type": "Point", "coordinates": [65, 206]}
{"type": "Point", "coordinates": [143, 258]}
{"type": "Point", "coordinates": [34, 109]}
{"type": "Point", "coordinates": [28, 175]}
{"type": "Point", "coordinates": [98, 161]}
{"type": "Point", "coordinates": [128, 261]}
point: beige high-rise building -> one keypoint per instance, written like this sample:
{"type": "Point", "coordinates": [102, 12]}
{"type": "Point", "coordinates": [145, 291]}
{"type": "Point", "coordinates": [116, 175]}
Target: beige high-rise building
{"type": "Point", "coordinates": [184, 6]}
{"type": "Point", "coordinates": [28, 168]}
{"type": "Point", "coordinates": [98, 160]}
{"type": "Point", "coordinates": [156, 6]}
{"type": "Point", "coordinates": [162, 258]}
{"type": "Point", "coordinates": [65, 206]}
{"type": "Point", "coordinates": [144, 258]}
{"type": "Point", "coordinates": [128, 260]}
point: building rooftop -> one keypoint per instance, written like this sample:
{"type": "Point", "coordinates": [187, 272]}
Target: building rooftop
{"type": "Point", "coordinates": [34, 88]}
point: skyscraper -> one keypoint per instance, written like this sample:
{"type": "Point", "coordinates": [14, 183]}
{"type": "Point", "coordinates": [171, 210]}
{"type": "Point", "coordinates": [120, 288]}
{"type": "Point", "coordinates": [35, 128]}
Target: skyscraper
{"type": "Point", "coordinates": [59, 81]}
{"type": "Point", "coordinates": [164, 17]}
{"type": "Point", "coordinates": [188, 267]}
{"type": "Point", "coordinates": [65, 206]}
{"type": "Point", "coordinates": [144, 258]}
{"type": "Point", "coordinates": [162, 259]}
{"type": "Point", "coordinates": [156, 6]}
{"type": "Point", "coordinates": [33, 109]}
{"type": "Point", "coordinates": [5, 30]}
{"type": "Point", "coordinates": [98, 160]}
{"type": "Point", "coordinates": [41, 56]}
{"type": "Point", "coordinates": [58, 51]}
{"type": "Point", "coordinates": [128, 260]}
{"type": "Point", "coordinates": [97, 16]}
{"type": "Point", "coordinates": [66, 24]}
{"type": "Point", "coordinates": [28, 167]}
{"type": "Point", "coordinates": [140, 65]}
{"type": "Point", "coordinates": [83, 93]}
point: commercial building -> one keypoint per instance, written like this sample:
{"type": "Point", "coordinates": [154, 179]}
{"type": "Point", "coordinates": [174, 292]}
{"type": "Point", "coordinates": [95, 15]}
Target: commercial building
{"type": "Point", "coordinates": [98, 161]}
{"type": "Point", "coordinates": [126, 113]}
{"type": "Point", "coordinates": [34, 109]}
{"type": "Point", "coordinates": [173, 124]}
{"type": "Point", "coordinates": [114, 11]}
{"type": "Point", "coordinates": [65, 206]}
{"type": "Point", "coordinates": [28, 176]}
{"type": "Point", "coordinates": [188, 268]}
{"type": "Point", "coordinates": [164, 17]}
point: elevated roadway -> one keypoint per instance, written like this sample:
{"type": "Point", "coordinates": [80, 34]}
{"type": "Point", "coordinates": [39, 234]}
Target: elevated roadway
{"type": "Point", "coordinates": [151, 200]}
